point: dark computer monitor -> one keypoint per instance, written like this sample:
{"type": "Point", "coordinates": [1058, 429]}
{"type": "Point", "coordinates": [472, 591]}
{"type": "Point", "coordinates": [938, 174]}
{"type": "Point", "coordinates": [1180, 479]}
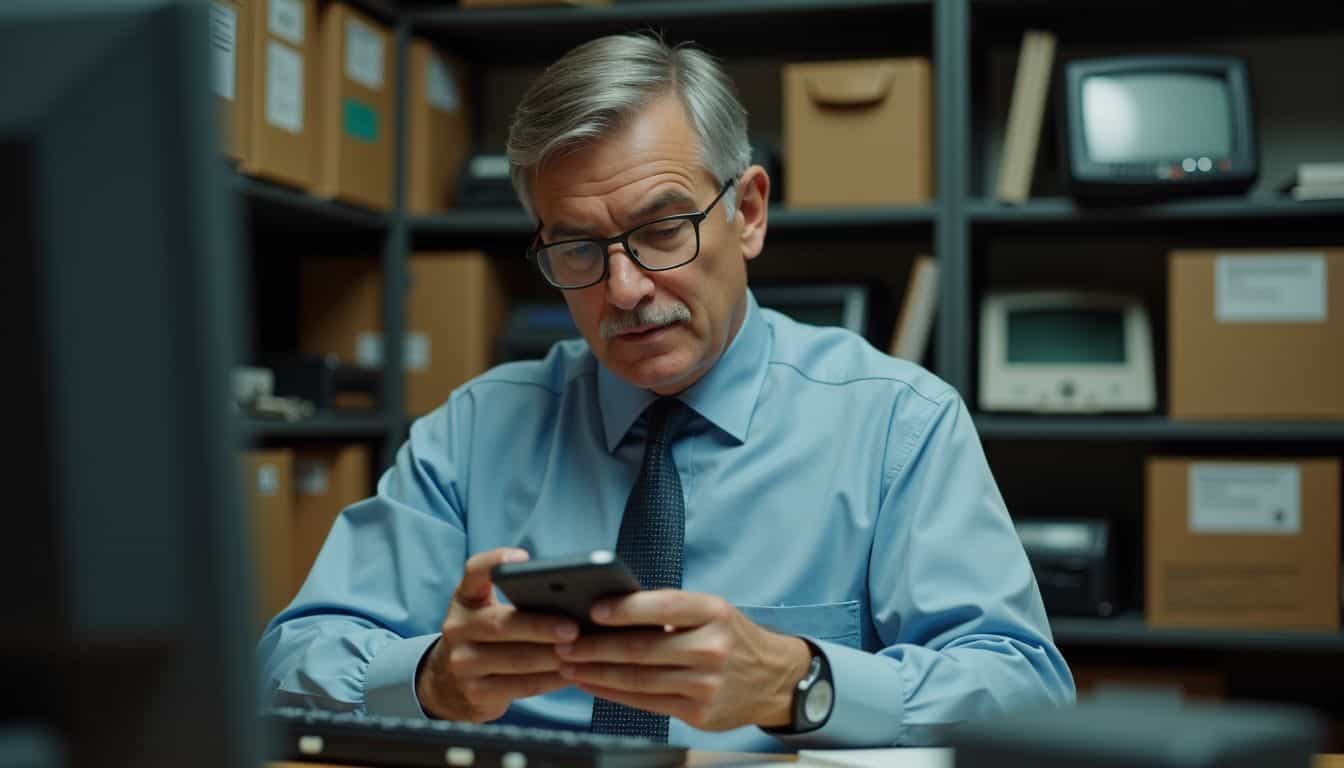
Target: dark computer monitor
{"type": "Point", "coordinates": [125, 632]}
{"type": "Point", "coordinates": [843, 305]}
{"type": "Point", "coordinates": [1158, 124]}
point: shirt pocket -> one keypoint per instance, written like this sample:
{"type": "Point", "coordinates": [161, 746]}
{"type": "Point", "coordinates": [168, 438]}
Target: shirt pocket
{"type": "Point", "coordinates": [833, 622]}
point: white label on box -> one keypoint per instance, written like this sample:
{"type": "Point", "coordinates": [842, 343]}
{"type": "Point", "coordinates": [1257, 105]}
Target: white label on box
{"type": "Point", "coordinates": [440, 86]}
{"type": "Point", "coordinates": [363, 54]}
{"type": "Point", "coordinates": [223, 49]}
{"type": "Point", "coordinates": [1245, 498]}
{"type": "Point", "coordinates": [285, 19]}
{"type": "Point", "coordinates": [311, 477]}
{"type": "Point", "coordinates": [414, 350]}
{"type": "Point", "coordinates": [268, 479]}
{"type": "Point", "coordinates": [284, 87]}
{"type": "Point", "coordinates": [1270, 288]}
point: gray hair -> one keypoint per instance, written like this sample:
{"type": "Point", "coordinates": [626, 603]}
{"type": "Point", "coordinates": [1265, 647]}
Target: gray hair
{"type": "Point", "coordinates": [592, 91]}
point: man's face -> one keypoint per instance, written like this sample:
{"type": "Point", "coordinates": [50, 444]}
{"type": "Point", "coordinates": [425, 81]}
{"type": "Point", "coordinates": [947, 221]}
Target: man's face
{"type": "Point", "coordinates": [657, 330]}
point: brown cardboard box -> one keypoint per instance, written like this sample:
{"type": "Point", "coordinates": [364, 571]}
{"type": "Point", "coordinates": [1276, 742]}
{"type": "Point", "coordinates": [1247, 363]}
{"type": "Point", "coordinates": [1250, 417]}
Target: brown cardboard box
{"type": "Point", "coordinates": [282, 119]}
{"type": "Point", "coordinates": [455, 312]}
{"type": "Point", "coordinates": [1256, 334]}
{"type": "Point", "coordinates": [230, 69]}
{"type": "Point", "coordinates": [1228, 545]}
{"type": "Point", "coordinates": [355, 108]}
{"type": "Point", "coordinates": [858, 133]}
{"type": "Point", "coordinates": [438, 130]}
{"type": "Point", "coordinates": [326, 481]}
{"type": "Point", "coordinates": [269, 491]}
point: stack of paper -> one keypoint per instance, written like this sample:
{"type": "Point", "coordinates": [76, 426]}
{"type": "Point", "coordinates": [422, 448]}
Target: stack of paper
{"type": "Point", "coordinates": [1318, 181]}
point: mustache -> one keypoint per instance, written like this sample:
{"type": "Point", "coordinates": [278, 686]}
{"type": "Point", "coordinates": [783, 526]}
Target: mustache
{"type": "Point", "coordinates": [657, 315]}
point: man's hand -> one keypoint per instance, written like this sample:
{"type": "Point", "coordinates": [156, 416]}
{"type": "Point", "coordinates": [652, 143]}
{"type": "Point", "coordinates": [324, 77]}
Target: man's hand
{"type": "Point", "coordinates": [489, 654]}
{"type": "Point", "coordinates": [710, 667]}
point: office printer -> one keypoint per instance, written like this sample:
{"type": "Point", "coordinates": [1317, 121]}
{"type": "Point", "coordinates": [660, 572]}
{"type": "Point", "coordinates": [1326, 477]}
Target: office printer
{"type": "Point", "coordinates": [1074, 564]}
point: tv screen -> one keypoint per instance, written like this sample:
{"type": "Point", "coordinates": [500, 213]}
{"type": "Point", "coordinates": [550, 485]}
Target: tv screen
{"type": "Point", "coordinates": [1066, 336]}
{"type": "Point", "coordinates": [1151, 116]}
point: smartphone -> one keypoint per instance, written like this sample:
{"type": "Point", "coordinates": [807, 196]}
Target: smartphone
{"type": "Point", "coordinates": [566, 586]}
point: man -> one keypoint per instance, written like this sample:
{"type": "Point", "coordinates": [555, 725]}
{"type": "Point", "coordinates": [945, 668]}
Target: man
{"type": "Point", "coordinates": [820, 516]}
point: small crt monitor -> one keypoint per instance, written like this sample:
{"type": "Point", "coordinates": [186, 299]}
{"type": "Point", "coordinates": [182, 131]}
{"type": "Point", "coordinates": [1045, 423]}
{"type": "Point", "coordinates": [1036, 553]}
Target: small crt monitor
{"type": "Point", "coordinates": [1158, 125]}
{"type": "Point", "coordinates": [1065, 352]}
{"type": "Point", "coordinates": [839, 304]}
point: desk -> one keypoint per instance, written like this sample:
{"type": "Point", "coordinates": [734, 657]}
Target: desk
{"type": "Point", "coordinates": [698, 759]}
{"type": "Point", "coordinates": [702, 759]}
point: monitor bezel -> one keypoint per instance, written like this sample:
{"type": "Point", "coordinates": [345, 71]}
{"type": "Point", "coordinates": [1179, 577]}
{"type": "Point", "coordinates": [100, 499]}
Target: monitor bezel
{"type": "Point", "coordinates": [1085, 174]}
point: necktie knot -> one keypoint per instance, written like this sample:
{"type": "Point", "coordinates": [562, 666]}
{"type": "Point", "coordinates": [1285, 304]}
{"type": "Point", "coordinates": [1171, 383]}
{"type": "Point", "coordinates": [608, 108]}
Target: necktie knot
{"type": "Point", "coordinates": [664, 419]}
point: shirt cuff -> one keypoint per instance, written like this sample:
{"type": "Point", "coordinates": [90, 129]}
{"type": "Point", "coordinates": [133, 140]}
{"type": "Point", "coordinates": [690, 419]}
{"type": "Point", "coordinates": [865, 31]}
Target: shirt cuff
{"type": "Point", "coordinates": [389, 686]}
{"type": "Point", "coordinates": [869, 701]}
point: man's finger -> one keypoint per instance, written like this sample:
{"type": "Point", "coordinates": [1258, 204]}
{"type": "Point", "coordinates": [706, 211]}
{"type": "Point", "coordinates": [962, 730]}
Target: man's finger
{"type": "Point", "coordinates": [504, 624]}
{"type": "Point", "coordinates": [660, 607]}
{"type": "Point", "coordinates": [475, 589]}
{"type": "Point", "coordinates": [634, 678]}
{"type": "Point", "coordinates": [485, 659]}
{"type": "Point", "coordinates": [686, 648]}
{"type": "Point", "coordinates": [506, 688]}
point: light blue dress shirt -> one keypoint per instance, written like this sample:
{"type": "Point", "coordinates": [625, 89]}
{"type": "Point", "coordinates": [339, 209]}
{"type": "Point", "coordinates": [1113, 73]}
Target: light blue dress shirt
{"type": "Point", "coordinates": [832, 492]}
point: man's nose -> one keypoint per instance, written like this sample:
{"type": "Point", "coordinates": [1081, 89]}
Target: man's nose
{"type": "Point", "coordinates": [627, 284]}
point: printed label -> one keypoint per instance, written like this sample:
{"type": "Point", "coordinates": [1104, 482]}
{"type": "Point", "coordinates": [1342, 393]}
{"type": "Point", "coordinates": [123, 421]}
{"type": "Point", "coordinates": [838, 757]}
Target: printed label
{"type": "Point", "coordinates": [223, 49]}
{"type": "Point", "coordinates": [440, 86]}
{"type": "Point", "coordinates": [284, 87]}
{"type": "Point", "coordinates": [268, 479]}
{"type": "Point", "coordinates": [1245, 498]}
{"type": "Point", "coordinates": [414, 349]}
{"type": "Point", "coordinates": [285, 19]}
{"type": "Point", "coordinates": [363, 54]}
{"type": "Point", "coordinates": [1270, 288]}
{"type": "Point", "coordinates": [311, 477]}
{"type": "Point", "coordinates": [360, 121]}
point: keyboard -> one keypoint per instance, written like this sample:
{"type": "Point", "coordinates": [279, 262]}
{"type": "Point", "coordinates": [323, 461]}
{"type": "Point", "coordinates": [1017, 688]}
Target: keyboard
{"type": "Point", "coordinates": [311, 735]}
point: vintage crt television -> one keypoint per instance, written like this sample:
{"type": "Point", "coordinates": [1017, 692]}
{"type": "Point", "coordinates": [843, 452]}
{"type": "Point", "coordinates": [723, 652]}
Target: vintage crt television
{"type": "Point", "coordinates": [1157, 125]}
{"type": "Point", "coordinates": [1065, 352]}
{"type": "Point", "coordinates": [840, 304]}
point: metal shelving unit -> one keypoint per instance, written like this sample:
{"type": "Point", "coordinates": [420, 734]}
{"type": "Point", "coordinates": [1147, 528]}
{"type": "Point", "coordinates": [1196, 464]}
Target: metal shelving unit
{"type": "Point", "coordinates": [1130, 630]}
{"type": "Point", "coordinates": [953, 33]}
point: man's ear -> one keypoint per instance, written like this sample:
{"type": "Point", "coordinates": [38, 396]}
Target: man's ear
{"type": "Point", "coordinates": [753, 206]}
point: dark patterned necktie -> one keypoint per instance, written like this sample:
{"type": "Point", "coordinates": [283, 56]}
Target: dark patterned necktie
{"type": "Point", "coordinates": [650, 542]}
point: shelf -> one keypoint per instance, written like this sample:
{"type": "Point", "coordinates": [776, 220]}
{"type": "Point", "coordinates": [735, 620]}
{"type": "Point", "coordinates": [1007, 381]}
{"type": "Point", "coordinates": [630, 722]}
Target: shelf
{"type": "Point", "coordinates": [273, 206]}
{"type": "Point", "coordinates": [491, 223]}
{"type": "Point", "coordinates": [1153, 429]}
{"type": "Point", "coordinates": [325, 427]}
{"type": "Point", "coordinates": [1130, 630]}
{"type": "Point", "coordinates": [1146, 21]}
{"type": "Point", "coordinates": [796, 27]}
{"type": "Point", "coordinates": [1056, 213]}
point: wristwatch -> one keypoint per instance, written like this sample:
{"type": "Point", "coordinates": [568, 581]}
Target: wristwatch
{"type": "Point", "coordinates": [814, 695]}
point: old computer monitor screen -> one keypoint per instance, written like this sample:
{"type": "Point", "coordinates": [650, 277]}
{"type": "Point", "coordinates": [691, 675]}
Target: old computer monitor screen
{"type": "Point", "coordinates": [1158, 124]}
{"type": "Point", "coordinates": [842, 305]}
{"type": "Point", "coordinates": [125, 635]}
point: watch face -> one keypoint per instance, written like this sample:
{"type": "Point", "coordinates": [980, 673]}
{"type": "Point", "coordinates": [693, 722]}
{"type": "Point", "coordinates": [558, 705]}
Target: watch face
{"type": "Point", "coordinates": [818, 703]}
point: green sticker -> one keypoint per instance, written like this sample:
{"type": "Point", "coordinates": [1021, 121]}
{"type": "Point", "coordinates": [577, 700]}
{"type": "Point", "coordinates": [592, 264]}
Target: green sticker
{"type": "Point", "coordinates": [360, 121]}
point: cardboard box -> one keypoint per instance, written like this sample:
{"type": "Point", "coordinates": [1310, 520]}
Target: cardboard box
{"type": "Point", "coordinates": [455, 312]}
{"type": "Point", "coordinates": [1243, 544]}
{"type": "Point", "coordinates": [858, 133]}
{"type": "Point", "coordinates": [230, 70]}
{"type": "Point", "coordinates": [1256, 334]}
{"type": "Point", "coordinates": [356, 103]}
{"type": "Point", "coordinates": [1181, 683]}
{"type": "Point", "coordinates": [281, 143]}
{"type": "Point", "coordinates": [438, 130]}
{"type": "Point", "coordinates": [269, 493]}
{"type": "Point", "coordinates": [326, 481]}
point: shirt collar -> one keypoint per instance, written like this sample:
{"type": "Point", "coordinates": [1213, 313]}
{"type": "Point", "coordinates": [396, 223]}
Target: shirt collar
{"type": "Point", "coordinates": [725, 396]}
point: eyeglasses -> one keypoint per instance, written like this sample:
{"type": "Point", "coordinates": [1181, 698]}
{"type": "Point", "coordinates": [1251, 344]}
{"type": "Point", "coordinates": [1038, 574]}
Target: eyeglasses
{"type": "Point", "coordinates": [656, 246]}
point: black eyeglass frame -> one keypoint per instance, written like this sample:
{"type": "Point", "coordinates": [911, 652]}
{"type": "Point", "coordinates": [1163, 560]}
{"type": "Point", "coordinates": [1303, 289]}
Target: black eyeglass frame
{"type": "Point", "coordinates": [605, 243]}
